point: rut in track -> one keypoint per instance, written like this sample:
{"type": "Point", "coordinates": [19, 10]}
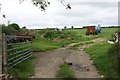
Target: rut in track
{"type": "Point", "coordinates": [47, 63]}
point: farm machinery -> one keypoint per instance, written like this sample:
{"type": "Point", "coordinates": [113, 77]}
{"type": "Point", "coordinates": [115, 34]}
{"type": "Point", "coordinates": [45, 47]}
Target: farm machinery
{"type": "Point", "coordinates": [92, 30]}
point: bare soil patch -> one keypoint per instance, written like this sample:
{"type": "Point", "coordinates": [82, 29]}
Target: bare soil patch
{"type": "Point", "coordinates": [47, 63]}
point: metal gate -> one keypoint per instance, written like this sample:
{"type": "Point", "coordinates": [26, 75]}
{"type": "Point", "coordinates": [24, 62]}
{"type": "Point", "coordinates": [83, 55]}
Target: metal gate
{"type": "Point", "coordinates": [15, 49]}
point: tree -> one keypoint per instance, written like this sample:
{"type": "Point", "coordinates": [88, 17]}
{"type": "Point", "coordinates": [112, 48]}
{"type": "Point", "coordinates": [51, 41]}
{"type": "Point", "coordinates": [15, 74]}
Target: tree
{"type": "Point", "coordinates": [43, 4]}
{"type": "Point", "coordinates": [15, 26]}
{"type": "Point", "coordinates": [8, 30]}
{"type": "Point", "coordinates": [65, 27]}
{"type": "Point", "coordinates": [72, 27]}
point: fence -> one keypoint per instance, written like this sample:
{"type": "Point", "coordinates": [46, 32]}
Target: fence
{"type": "Point", "coordinates": [15, 49]}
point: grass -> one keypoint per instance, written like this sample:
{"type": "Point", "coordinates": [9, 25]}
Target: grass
{"type": "Point", "coordinates": [104, 56]}
{"type": "Point", "coordinates": [80, 35]}
{"type": "Point", "coordinates": [65, 72]}
{"type": "Point", "coordinates": [49, 42]}
{"type": "Point", "coordinates": [24, 69]}
{"type": "Point", "coordinates": [41, 44]}
{"type": "Point", "coordinates": [76, 46]}
{"type": "Point", "coordinates": [108, 32]}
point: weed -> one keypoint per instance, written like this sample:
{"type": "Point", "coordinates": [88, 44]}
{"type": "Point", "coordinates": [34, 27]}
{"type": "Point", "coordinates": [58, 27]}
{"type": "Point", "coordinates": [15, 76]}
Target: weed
{"type": "Point", "coordinates": [65, 72]}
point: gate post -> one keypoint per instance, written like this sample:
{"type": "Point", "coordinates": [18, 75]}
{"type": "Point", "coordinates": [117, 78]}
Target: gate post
{"type": "Point", "coordinates": [118, 54]}
{"type": "Point", "coordinates": [4, 62]}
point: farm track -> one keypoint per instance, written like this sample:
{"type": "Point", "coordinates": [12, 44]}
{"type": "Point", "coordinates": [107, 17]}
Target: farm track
{"type": "Point", "coordinates": [47, 63]}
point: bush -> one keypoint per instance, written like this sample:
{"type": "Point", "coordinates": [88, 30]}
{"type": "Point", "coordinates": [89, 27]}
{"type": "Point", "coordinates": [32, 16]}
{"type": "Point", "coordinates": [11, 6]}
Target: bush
{"type": "Point", "coordinates": [15, 26]}
{"type": "Point", "coordinates": [8, 30]}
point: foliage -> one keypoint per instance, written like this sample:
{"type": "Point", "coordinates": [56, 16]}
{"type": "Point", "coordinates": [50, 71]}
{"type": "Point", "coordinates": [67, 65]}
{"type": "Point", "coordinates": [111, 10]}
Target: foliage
{"type": "Point", "coordinates": [59, 35]}
{"type": "Point", "coordinates": [104, 56]}
{"type": "Point", "coordinates": [43, 4]}
{"type": "Point", "coordinates": [65, 27]}
{"type": "Point", "coordinates": [15, 26]}
{"type": "Point", "coordinates": [8, 30]}
{"type": "Point", "coordinates": [72, 27]}
{"type": "Point", "coordinates": [65, 72]}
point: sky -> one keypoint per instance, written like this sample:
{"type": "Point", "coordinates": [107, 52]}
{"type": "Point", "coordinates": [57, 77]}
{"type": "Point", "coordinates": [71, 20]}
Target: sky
{"type": "Point", "coordinates": [83, 12]}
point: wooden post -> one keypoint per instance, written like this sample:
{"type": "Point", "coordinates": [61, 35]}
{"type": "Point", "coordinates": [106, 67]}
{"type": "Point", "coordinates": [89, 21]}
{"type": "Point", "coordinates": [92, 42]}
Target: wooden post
{"type": "Point", "coordinates": [118, 54]}
{"type": "Point", "coordinates": [0, 52]}
{"type": "Point", "coordinates": [4, 62]}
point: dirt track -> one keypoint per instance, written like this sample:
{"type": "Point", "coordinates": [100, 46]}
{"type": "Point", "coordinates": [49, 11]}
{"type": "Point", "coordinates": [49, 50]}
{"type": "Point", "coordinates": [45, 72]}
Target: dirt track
{"type": "Point", "coordinates": [47, 63]}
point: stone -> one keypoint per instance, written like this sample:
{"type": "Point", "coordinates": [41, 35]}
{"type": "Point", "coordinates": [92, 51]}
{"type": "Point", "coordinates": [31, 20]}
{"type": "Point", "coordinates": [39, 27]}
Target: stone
{"type": "Point", "coordinates": [87, 69]}
{"type": "Point", "coordinates": [102, 76]}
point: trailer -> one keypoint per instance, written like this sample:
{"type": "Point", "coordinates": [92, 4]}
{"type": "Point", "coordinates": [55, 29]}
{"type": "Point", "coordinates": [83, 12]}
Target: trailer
{"type": "Point", "coordinates": [92, 30]}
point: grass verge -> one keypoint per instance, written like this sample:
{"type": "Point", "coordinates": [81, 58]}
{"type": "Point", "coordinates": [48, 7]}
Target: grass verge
{"type": "Point", "coordinates": [104, 56]}
{"type": "Point", "coordinates": [24, 69]}
{"type": "Point", "coordinates": [65, 72]}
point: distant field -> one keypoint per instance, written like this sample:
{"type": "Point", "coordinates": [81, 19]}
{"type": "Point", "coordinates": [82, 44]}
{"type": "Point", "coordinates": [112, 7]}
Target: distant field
{"type": "Point", "coordinates": [56, 39]}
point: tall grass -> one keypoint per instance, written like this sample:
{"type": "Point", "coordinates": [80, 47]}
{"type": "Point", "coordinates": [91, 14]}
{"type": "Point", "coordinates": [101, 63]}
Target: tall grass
{"type": "Point", "coordinates": [23, 70]}
{"type": "Point", "coordinates": [104, 56]}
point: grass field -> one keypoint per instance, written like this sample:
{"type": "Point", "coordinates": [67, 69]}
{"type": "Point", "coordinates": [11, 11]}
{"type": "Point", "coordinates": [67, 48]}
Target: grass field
{"type": "Point", "coordinates": [66, 37]}
{"type": "Point", "coordinates": [105, 58]}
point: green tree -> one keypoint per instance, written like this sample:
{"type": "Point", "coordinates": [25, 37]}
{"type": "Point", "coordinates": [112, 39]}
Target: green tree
{"type": "Point", "coordinates": [8, 30]}
{"type": "Point", "coordinates": [15, 26]}
{"type": "Point", "coordinates": [72, 27]}
{"type": "Point", "coordinates": [42, 4]}
{"type": "Point", "coordinates": [65, 27]}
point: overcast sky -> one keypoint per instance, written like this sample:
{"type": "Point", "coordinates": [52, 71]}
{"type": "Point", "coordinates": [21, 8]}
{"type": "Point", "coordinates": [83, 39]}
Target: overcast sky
{"type": "Point", "coordinates": [83, 12]}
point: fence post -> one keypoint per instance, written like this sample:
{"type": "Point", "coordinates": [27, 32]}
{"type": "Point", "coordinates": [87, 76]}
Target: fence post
{"type": "Point", "coordinates": [4, 62]}
{"type": "Point", "coordinates": [0, 52]}
{"type": "Point", "coordinates": [118, 54]}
